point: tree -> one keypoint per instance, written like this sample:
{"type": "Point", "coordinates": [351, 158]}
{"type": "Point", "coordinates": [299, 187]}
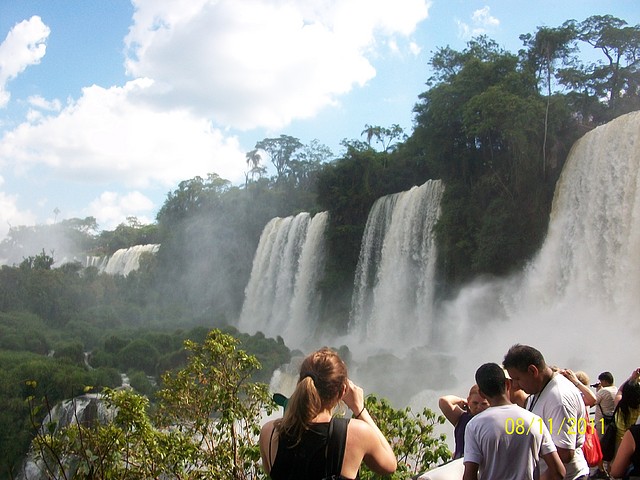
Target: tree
{"type": "Point", "coordinates": [385, 136]}
{"type": "Point", "coordinates": [617, 79]}
{"type": "Point", "coordinates": [546, 47]}
{"type": "Point", "coordinates": [280, 151]}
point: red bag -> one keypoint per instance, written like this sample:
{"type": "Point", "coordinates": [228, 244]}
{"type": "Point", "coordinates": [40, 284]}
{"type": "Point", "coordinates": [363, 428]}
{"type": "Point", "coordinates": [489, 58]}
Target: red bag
{"type": "Point", "coordinates": [591, 446]}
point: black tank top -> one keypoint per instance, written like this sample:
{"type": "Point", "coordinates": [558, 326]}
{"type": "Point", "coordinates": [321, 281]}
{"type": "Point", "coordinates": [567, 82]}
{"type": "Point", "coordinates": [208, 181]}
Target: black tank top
{"type": "Point", "coordinates": [307, 460]}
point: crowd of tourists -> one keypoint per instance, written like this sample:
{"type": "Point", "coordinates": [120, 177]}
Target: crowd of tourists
{"type": "Point", "coordinates": [523, 419]}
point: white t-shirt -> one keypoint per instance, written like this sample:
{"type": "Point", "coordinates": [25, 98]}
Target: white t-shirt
{"type": "Point", "coordinates": [605, 403]}
{"type": "Point", "coordinates": [561, 407]}
{"type": "Point", "coordinates": [506, 442]}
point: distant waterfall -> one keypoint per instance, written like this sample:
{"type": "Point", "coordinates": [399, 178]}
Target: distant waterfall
{"type": "Point", "coordinates": [393, 290]}
{"type": "Point", "coordinates": [125, 260]}
{"type": "Point", "coordinates": [281, 297]}
{"type": "Point", "coordinates": [87, 410]}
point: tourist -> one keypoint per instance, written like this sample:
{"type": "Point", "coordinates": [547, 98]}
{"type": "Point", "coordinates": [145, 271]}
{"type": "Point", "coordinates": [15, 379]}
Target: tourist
{"type": "Point", "coordinates": [605, 405]}
{"type": "Point", "coordinates": [506, 441]}
{"type": "Point", "coordinates": [296, 445]}
{"type": "Point", "coordinates": [555, 399]}
{"type": "Point", "coordinates": [459, 411]}
{"type": "Point", "coordinates": [605, 400]}
{"type": "Point", "coordinates": [628, 408]}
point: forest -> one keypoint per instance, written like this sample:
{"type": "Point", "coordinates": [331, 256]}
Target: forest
{"type": "Point", "coordinates": [495, 126]}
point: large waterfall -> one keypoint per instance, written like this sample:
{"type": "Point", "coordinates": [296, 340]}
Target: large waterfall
{"type": "Point", "coordinates": [394, 285]}
{"type": "Point", "coordinates": [578, 300]}
{"type": "Point", "coordinates": [281, 297]}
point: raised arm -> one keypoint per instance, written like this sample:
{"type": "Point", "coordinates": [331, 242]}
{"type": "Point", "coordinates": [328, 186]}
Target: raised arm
{"type": "Point", "coordinates": [588, 396]}
{"type": "Point", "coordinates": [452, 407]}
{"type": "Point", "coordinates": [378, 454]}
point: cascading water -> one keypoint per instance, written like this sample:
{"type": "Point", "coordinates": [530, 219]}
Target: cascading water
{"type": "Point", "coordinates": [579, 297]}
{"type": "Point", "coordinates": [281, 297]}
{"type": "Point", "coordinates": [394, 286]}
{"type": "Point", "coordinates": [125, 260]}
{"type": "Point", "coordinates": [86, 410]}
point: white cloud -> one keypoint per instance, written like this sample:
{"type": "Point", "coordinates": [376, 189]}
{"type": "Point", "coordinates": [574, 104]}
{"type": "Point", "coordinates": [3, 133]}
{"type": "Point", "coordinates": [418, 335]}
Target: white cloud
{"type": "Point", "coordinates": [11, 215]}
{"type": "Point", "coordinates": [110, 208]}
{"type": "Point", "coordinates": [262, 63]}
{"type": "Point", "coordinates": [108, 135]}
{"type": "Point", "coordinates": [482, 22]}
{"type": "Point", "coordinates": [37, 101]}
{"type": "Point", "coordinates": [24, 45]}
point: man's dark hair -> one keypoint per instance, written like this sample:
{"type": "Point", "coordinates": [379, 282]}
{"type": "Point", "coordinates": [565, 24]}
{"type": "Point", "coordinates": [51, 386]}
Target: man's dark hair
{"type": "Point", "coordinates": [607, 377]}
{"type": "Point", "coordinates": [521, 356]}
{"type": "Point", "coordinates": [491, 380]}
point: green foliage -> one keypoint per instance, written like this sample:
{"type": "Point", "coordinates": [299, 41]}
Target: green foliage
{"type": "Point", "coordinates": [206, 427]}
{"type": "Point", "coordinates": [411, 436]}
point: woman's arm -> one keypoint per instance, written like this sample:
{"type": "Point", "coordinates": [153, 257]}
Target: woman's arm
{"type": "Point", "coordinates": [379, 455]}
{"type": "Point", "coordinates": [622, 459]}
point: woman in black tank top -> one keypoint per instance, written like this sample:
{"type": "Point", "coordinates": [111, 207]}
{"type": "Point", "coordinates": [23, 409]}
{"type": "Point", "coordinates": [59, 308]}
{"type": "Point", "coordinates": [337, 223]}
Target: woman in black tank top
{"type": "Point", "coordinates": [300, 445]}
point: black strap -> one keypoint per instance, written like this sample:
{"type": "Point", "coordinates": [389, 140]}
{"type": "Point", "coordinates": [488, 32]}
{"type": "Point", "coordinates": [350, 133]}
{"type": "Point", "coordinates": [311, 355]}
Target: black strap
{"type": "Point", "coordinates": [335, 446]}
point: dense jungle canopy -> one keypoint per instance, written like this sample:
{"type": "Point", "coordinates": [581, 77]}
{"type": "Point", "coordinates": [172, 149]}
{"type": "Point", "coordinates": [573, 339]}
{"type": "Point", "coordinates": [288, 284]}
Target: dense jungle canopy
{"type": "Point", "coordinates": [495, 126]}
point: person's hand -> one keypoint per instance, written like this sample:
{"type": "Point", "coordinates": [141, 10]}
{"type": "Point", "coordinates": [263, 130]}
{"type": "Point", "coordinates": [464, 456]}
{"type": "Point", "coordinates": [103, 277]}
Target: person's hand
{"type": "Point", "coordinates": [354, 397]}
{"type": "Point", "coordinates": [570, 376]}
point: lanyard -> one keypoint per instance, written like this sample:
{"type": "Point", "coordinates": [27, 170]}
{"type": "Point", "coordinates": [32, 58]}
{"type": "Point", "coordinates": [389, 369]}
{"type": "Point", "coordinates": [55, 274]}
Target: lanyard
{"type": "Point", "coordinates": [537, 397]}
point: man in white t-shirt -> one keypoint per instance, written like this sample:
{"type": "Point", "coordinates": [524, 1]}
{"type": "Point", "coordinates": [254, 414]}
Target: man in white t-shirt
{"type": "Point", "coordinates": [557, 401]}
{"type": "Point", "coordinates": [605, 399]}
{"type": "Point", "coordinates": [506, 441]}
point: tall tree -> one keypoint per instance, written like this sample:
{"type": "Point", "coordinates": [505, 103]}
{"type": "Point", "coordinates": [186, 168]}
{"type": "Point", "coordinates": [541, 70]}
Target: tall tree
{"type": "Point", "coordinates": [281, 151]}
{"type": "Point", "coordinates": [547, 47]}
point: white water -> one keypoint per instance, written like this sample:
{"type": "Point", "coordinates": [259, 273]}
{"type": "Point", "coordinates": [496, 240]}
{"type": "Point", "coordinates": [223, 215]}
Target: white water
{"type": "Point", "coordinates": [394, 288]}
{"type": "Point", "coordinates": [125, 260]}
{"type": "Point", "coordinates": [281, 298]}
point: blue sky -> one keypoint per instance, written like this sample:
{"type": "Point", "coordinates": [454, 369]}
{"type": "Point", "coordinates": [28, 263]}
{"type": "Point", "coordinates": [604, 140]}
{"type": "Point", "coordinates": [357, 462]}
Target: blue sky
{"type": "Point", "coordinates": [106, 105]}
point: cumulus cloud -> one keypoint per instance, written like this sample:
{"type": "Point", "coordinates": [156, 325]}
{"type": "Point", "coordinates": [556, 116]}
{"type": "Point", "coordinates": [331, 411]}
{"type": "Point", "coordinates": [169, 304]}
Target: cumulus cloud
{"type": "Point", "coordinates": [262, 63]}
{"type": "Point", "coordinates": [24, 45]}
{"type": "Point", "coordinates": [111, 208]}
{"type": "Point", "coordinates": [482, 22]}
{"type": "Point", "coordinates": [109, 136]}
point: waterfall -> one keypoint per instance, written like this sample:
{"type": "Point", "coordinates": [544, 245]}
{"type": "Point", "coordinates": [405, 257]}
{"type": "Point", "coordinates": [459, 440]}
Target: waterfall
{"type": "Point", "coordinates": [579, 296]}
{"type": "Point", "coordinates": [281, 297]}
{"type": "Point", "coordinates": [394, 285]}
{"type": "Point", "coordinates": [125, 260]}
{"type": "Point", "coordinates": [592, 250]}
{"type": "Point", "coordinates": [86, 410]}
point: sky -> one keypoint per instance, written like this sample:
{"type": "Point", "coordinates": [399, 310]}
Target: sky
{"type": "Point", "coordinates": [107, 105]}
